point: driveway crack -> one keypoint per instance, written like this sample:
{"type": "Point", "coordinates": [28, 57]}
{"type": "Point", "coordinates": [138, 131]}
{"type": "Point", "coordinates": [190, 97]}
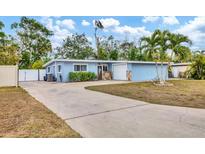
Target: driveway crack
{"type": "Point", "coordinates": [118, 109]}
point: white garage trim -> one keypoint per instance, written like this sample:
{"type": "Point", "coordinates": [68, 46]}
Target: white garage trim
{"type": "Point", "coordinates": [119, 71]}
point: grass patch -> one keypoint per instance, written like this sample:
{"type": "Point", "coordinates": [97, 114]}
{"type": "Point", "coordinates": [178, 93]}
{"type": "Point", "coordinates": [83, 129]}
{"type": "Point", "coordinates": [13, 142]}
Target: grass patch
{"type": "Point", "coordinates": [23, 116]}
{"type": "Point", "coordinates": [186, 93]}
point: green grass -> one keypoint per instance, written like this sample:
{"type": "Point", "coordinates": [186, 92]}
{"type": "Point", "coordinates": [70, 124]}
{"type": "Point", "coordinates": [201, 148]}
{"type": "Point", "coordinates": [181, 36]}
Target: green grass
{"type": "Point", "coordinates": [23, 116]}
{"type": "Point", "coordinates": [186, 93]}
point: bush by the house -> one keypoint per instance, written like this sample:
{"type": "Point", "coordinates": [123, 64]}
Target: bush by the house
{"type": "Point", "coordinates": [82, 76]}
{"type": "Point", "coordinates": [197, 69]}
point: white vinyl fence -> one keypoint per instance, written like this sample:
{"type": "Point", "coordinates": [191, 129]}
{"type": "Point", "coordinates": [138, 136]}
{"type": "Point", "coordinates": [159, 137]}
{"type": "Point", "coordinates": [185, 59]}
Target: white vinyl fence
{"type": "Point", "coordinates": [8, 75]}
{"type": "Point", "coordinates": [31, 74]}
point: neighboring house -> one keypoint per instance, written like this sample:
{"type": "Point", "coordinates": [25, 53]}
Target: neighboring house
{"type": "Point", "coordinates": [178, 69]}
{"type": "Point", "coordinates": [106, 70]}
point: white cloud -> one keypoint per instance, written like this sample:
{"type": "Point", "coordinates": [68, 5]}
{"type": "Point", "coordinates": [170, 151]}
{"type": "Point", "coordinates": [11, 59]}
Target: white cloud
{"type": "Point", "coordinates": [195, 30]}
{"type": "Point", "coordinates": [60, 33]}
{"type": "Point", "coordinates": [150, 19]}
{"type": "Point", "coordinates": [131, 33]}
{"type": "Point", "coordinates": [170, 20]}
{"type": "Point", "coordinates": [85, 23]}
{"type": "Point", "coordinates": [139, 31]}
{"type": "Point", "coordinates": [66, 23]}
{"type": "Point", "coordinates": [109, 22]}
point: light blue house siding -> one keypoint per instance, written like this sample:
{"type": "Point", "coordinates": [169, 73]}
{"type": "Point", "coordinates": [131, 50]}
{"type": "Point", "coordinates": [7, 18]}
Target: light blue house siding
{"type": "Point", "coordinates": [147, 72]}
{"type": "Point", "coordinates": [67, 67]}
{"type": "Point", "coordinates": [141, 71]}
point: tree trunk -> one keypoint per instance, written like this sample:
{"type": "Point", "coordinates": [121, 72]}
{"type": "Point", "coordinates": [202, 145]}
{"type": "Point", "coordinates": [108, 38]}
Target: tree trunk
{"type": "Point", "coordinates": [97, 43]}
{"type": "Point", "coordinates": [156, 66]}
{"type": "Point", "coordinates": [162, 80]}
{"type": "Point", "coordinates": [169, 65]}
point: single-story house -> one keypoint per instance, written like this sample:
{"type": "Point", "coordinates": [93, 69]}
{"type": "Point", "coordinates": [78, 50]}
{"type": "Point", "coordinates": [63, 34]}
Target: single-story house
{"type": "Point", "coordinates": [178, 69]}
{"type": "Point", "coordinates": [106, 69]}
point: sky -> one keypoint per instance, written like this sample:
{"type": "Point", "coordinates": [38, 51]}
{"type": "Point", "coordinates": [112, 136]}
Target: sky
{"type": "Point", "coordinates": [121, 27]}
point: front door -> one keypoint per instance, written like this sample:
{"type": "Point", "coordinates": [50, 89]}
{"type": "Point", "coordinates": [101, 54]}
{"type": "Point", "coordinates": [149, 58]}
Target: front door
{"type": "Point", "coordinates": [99, 72]}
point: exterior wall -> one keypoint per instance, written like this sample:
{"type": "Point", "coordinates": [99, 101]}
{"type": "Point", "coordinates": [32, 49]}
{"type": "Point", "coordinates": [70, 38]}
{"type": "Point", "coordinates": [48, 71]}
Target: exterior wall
{"type": "Point", "coordinates": [109, 67]}
{"type": "Point", "coordinates": [139, 72]}
{"type": "Point", "coordinates": [177, 69]}
{"type": "Point", "coordinates": [51, 66]}
{"type": "Point", "coordinates": [8, 75]}
{"type": "Point", "coordinates": [147, 72]}
{"type": "Point", "coordinates": [67, 67]}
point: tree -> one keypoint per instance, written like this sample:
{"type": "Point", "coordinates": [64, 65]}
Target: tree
{"type": "Point", "coordinates": [149, 46]}
{"type": "Point", "coordinates": [113, 55]}
{"type": "Point", "coordinates": [163, 40]}
{"type": "Point", "coordinates": [125, 48]}
{"type": "Point", "coordinates": [37, 64]}
{"type": "Point", "coordinates": [2, 34]}
{"type": "Point", "coordinates": [33, 40]}
{"type": "Point", "coordinates": [8, 50]}
{"type": "Point", "coordinates": [98, 25]}
{"type": "Point", "coordinates": [9, 54]}
{"type": "Point", "coordinates": [102, 54]}
{"type": "Point", "coordinates": [179, 47]}
{"type": "Point", "coordinates": [197, 69]}
{"type": "Point", "coordinates": [135, 54]}
{"type": "Point", "coordinates": [111, 48]}
{"type": "Point", "coordinates": [76, 46]}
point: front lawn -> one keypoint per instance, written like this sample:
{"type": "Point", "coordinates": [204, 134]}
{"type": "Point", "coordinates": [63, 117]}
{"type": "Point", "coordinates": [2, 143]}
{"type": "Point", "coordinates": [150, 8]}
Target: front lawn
{"type": "Point", "coordinates": [23, 116]}
{"type": "Point", "coordinates": [187, 93]}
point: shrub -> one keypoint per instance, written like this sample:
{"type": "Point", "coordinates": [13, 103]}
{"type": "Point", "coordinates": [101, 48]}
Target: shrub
{"type": "Point", "coordinates": [82, 76]}
{"type": "Point", "coordinates": [197, 69]}
{"type": "Point", "coordinates": [37, 64]}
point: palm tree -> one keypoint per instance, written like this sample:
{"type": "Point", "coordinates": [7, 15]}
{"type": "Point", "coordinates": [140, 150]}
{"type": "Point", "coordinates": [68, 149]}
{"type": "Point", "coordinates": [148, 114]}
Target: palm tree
{"type": "Point", "coordinates": [149, 46]}
{"type": "Point", "coordinates": [163, 40]}
{"type": "Point", "coordinates": [98, 25]}
{"type": "Point", "coordinates": [177, 44]}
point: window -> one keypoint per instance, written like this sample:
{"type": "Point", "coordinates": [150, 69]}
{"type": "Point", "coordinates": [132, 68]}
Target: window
{"type": "Point", "coordinates": [105, 68]}
{"type": "Point", "coordinates": [49, 69]}
{"type": "Point", "coordinates": [83, 67]}
{"type": "Point", "coordinates": [59, 68]}
{"type": "Point", "coordinates": [78, 67]}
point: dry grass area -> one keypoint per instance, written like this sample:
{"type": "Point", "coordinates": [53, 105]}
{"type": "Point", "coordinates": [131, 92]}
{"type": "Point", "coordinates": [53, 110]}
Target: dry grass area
{"type": "Point", "coordinates": [187, 93]}
{"type": "Point", "coordinates": [23, 116]}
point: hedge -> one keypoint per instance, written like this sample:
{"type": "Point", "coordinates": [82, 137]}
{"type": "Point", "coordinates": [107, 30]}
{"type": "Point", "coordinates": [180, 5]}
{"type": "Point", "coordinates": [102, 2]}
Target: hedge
{"type": "Point", "coordinates": [82, 76]}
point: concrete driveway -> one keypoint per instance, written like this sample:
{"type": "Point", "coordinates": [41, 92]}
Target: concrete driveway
{"type": "Point", "coordinates": [95, 114]}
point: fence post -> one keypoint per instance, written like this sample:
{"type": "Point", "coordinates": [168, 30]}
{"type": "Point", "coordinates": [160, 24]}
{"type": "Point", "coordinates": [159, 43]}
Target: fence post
{"type": "Point", "coordinates": [38, 75]}
{"type": "Point", "coordinates": [17, 76]}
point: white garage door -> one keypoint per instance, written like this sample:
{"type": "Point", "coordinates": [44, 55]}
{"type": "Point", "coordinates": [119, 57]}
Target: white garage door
{"type": "Point", "coordinates": [120, 71]}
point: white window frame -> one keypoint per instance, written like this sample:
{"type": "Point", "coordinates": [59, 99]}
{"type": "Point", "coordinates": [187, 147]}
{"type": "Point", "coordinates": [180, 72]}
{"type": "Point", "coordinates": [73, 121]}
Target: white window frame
{"type": "Point", "coordinates": [80, 67]}
{"type": "Point", "coordinates": [57, 68]}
